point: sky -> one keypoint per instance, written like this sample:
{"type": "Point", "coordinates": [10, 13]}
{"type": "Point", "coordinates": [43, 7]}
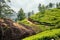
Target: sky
{"type": "Point", "coordinates": [29, 5]}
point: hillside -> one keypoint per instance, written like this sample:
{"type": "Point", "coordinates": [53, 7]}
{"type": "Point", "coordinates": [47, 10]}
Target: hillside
{"type": "Point", "coordinates": [46, 27]}
{"type": "Point", "coordinates": [10, 30]}
{"type": "Point", "coordinates": [46, 35]}
{"type": "Point", "coordinates": [29, 20]}
{"type": "Point", "coordinates": [49, 22]}
{"type": "Point", "coordinates": [41, 22]}
{"type": "Point", "coordinates": [50, 17]}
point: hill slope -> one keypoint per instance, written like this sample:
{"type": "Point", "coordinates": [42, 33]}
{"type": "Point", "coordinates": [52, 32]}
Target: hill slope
{"type": "Point", "coordinates": [10, 30]}
{"type": "Point", "coordinates": [50, 17]}
{"type": "Point", "coordinates": [48, 24]}
{"type": "Point", "coordinates": [41, 22]}
{"type": "Point", "coordinates": [46, 35]}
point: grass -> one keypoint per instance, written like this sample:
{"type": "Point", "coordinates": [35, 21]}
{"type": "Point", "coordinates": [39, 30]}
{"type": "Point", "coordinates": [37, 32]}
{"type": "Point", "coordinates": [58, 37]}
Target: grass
{"type": "Point", "coordinates": [36, 27]}
{"type": "Point", "coordinates": [47, 32]}
{"type": "Point", "coordinates": [33, 26]}
{"type": "Point", "coordinates": [50, 16]}
{"type": "Point", "coordinates": [46, 35]}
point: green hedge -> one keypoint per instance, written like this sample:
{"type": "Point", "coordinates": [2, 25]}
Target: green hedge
{"type": "Point", "coordinates": [50, 16]}
{"type": "Point", "coordinates": [46, 35]}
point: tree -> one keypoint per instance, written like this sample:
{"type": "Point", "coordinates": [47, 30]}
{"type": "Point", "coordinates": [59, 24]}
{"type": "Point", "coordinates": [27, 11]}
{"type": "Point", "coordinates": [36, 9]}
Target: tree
{"type": "Point", "coordinates": [41, 8]}
{"type": "Point", "coordinates": [32, 12]}
{"type": "Point", "coordinates": [21, 15]}
{"type": "Point", "coordinates": [47, 7]}
{"type": "Point", "coordinates": [29, 14]}
{"type": "Point", "coordinates": [5, 10]}
{"type": "Point", "coordinates": [57, 5]}
{"type": "Point", "coordinates": [50, 5]}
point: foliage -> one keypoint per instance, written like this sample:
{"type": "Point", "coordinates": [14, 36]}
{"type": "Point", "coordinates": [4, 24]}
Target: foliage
{"type": "Point", "coordinates": [21, 15]}
{"type": "Point", "coordinates": [36, 28]}
{"type": "Point", "coordinates": [46, 35]}
{"type": "Point", "coordinates": [47, 22]}
{"type": "Point", "coordinates": [50, 20]}
{"type": "Point", "coordinates": [30, 13]}
{"type": "Point", "coordinates": [5, 10]}
{"type": "Point", "coordinates": [50, 17]}
{"type": "Point", "coordinates": [41, 8]}
{"type": "Point", "coordinates": [57, 5]}
{"type": "Point", "coordinates": [50, 5]}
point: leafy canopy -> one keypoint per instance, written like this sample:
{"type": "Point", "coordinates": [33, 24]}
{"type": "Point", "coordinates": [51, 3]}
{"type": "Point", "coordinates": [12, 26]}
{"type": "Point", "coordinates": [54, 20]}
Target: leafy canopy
{"type": "Point", "coordinates": [5, 10]}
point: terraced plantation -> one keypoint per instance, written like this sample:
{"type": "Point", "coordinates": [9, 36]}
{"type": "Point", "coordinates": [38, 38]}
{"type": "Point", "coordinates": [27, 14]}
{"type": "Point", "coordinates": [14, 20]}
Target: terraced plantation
{"type": "Point", "coordinates": [46, 26]}
{"type": "Point", "coordinates": [46, 35]}
{"type": "Point", "coordinates": [29, 19]}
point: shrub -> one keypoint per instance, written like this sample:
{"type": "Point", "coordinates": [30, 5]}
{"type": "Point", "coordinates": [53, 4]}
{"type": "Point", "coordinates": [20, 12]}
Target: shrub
{"type": "Point", "coordinates": [46, 35]}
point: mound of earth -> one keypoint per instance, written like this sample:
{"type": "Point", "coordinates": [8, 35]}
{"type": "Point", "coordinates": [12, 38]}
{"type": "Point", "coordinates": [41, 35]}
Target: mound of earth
{"type": "Point", "coordinates": [10, 30]}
